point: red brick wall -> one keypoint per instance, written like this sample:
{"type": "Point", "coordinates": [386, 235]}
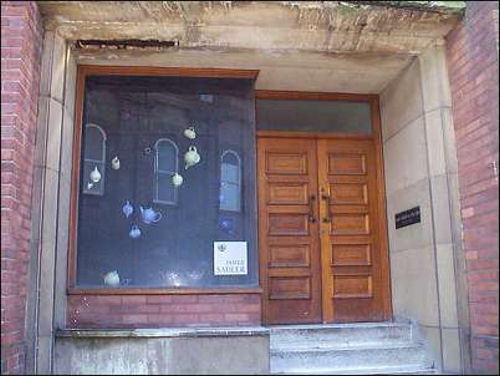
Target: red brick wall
{"type": "Point", "coordinates": [473, 68]}
{"type": "Point", "coordinates": [143, 311]}
{"type": "Point", "coordinates": [21, 48]}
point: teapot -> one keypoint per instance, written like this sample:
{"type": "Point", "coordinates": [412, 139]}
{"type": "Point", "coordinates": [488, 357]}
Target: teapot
{"type": "Point", "coordinates": [112, 278]}
{"type": "Point", "coordinates": [135, 232]}
{"type": "Point", "coordinates": [95, 175]}
{"type": "Point", "coordinates": [127, 209]}
{"type": "Point", "coordinates": [149, 215]}
{"type": "Point", "coordinates": [191, 157]}
{"type": "Point", "coordinates": [115, 163]}
{"type": "Point", "coordinates": [177, 180]}
{"type": "Point", "coordinates": [190, 133]}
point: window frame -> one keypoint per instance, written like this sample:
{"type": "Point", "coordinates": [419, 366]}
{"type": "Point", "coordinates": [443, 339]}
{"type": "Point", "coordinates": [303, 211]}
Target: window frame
{"type": "Point", "coordinates": [95, 70]}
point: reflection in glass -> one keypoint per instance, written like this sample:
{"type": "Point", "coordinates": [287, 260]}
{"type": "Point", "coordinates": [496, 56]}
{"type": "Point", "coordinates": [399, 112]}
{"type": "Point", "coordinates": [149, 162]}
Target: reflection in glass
{"type": "Point", "coordinates": [230, 181]}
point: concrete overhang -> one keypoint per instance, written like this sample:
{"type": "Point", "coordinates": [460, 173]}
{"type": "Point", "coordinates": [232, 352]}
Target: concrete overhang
{"type": "Point", "coordinates": [297, 45]}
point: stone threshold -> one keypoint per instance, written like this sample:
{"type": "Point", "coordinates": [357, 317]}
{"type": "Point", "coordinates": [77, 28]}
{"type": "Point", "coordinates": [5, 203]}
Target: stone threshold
{"type": "Point", "coordinates": [164, 332]}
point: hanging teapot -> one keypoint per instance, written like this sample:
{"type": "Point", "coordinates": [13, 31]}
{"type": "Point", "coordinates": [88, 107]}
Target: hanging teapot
{"type": "Point", "coordinates": [135, 232]}
{"type": "Point", "coordinates": [177, 180]}
{"type": "Point", "coordinates": [190, 133]}
{"type": "Point", "coordinates": [112, 278]}
{"type": "Point", "coordinates": [191, 157]}
{"type": "Point", "coordinates": [115, 163]}
{"type": "Point", "coordinates": [149, 215]}
{"type": "Point", "coordinates": [127, 209]}
{"type": "Point", "coordinates": [95, 175]}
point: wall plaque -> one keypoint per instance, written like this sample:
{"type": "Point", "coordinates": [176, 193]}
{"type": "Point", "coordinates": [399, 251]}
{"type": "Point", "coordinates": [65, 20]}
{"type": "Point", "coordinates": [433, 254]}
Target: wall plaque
{"type": "Point", "coordinates": [408, 217]}
{"type": "Point", "coordinates": [230, 258]}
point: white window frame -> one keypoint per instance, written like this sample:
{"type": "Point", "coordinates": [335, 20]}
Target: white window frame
{"type": "Point", "coordinates": [157, 171]}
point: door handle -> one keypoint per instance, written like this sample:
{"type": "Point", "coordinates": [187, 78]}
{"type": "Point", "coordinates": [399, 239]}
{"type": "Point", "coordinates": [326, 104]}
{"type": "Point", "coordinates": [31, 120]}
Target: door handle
{"type": "Point", "coordinates": [328, 199]}
{"type": "Point", "coordinates": [311, 208]}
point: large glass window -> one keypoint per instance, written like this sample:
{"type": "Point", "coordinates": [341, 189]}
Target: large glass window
{"type": "Point", "coordinates": [169, 147]}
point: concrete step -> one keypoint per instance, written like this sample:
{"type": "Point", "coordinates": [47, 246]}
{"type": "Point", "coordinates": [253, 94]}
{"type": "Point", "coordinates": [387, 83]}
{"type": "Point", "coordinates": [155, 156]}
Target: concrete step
{"type": "Point", "coordinates": [398, 370]}
{"type": "Point", "coordinates": [339, 335]}
{"type": "Point", "coordinates": [353, 359]}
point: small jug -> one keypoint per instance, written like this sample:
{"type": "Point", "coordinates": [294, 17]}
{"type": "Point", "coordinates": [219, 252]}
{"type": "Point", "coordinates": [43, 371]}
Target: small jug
{"type": "Point", "coordinates": [190, 133]}
{"type": "Point", "coordinates": [191, 157]}
{"type": "Point", "coordinates": [135, 232]}
{"type": "Point", "coordinates": [95, 175]}
{"type": "Point", "coordinates": [149, 215]}
{"type": "Point", "coordinates": [177, 180]}
{"type": "Point", "coordinates": [112, 278]}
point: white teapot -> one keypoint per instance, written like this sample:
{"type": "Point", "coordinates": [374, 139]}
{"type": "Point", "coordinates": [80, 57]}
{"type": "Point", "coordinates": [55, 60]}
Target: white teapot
{"type": "Point", "coordinates": [177, 180]}
{"type": "Point", "coordinates": [115, 163]}
{"type": "Point", "coordinates": [112, 278]}
{"type": "Point", "coordinates": [95, 175]}
{"type": "Point", "coordinates": [191, 157]}
{"type": "Point", "coordinates": [190, 133]}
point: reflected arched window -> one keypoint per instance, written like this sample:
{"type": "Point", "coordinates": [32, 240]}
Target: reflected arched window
{"type": "Point", "coordinates": [94, 160]}
{"type": "Point", "coordinates": [230, 181]}
{"type": "Point", "coordinates": [166, 165]}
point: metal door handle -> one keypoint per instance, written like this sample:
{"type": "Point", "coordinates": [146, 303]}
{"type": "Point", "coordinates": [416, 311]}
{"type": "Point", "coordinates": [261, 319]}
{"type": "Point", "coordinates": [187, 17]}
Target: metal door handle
{"type": "Point", "coordinates": [327, 198]}
{"type": "Point", "coordinates": [311, 209]}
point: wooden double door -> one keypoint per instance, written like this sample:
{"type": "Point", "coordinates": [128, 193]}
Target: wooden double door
{"type": "Point", "coordinates": [323, 257]}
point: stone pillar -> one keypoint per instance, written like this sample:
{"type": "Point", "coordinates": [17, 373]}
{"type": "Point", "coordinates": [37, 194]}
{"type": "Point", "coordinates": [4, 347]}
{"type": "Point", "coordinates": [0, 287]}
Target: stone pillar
{"type": "Point", "coordinates": [51, 191]}
{"type": "Point", "coordinates": [420, 170]}
{"type": "Point", "coordinates": [21, 45]}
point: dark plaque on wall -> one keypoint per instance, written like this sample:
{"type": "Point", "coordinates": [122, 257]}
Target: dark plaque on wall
{"type": "Point", "coordinates": [408, 217]}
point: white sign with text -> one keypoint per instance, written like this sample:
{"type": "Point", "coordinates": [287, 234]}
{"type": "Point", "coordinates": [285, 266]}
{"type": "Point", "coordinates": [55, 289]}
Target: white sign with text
{"type": "Point", "coordinates": [230, 258]}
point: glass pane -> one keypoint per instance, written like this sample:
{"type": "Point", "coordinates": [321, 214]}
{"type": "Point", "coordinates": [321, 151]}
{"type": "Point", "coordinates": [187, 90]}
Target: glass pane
{"type": "Point", "coordinates": [166, 190]}
{"type": "Point", "coordinates": [313, 116]}
{"type": "Point", "coordinates": [166, 156]}
{"type": "Point", "coordinates": [93, 143]}
{"type": "Point", "coordinates": [127, 237]}
{"type": "Point", "coordinates": [229, 197]}
{"type": "Point", "coordinates": [229, 173]}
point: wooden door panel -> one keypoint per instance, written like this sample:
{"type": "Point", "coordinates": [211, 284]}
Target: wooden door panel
{"type": "Point", "coordinates": [288, 224]}
{"type": "Point", "coordinates": [350, 254]}
{"type": "Point", "coordinates": [288, 239]}
{"type": "Point", "coordinates": [289, 256]}
{"type": "Point", "coordinates": [288, 193]}
{"type": "Point", "coordinates": [354, 282]}
{"type": "Point", "coordinates": [286, 163]}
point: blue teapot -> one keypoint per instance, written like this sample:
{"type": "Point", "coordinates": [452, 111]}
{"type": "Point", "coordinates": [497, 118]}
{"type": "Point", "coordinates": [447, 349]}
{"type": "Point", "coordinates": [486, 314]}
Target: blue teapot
{"type": "Point", "coordinates": [149, 215]}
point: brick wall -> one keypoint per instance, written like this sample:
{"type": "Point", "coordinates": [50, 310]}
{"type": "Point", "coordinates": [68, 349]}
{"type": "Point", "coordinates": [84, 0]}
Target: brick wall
{"type": "Point", "coordinates": [473, 68]}
{"type": "Point", "coordinates": [133, 311]}
{"type": "Point", "coordinates": [21, 48]}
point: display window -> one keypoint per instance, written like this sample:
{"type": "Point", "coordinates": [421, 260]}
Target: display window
{"type": "Point", "coordinates": [166, 184]}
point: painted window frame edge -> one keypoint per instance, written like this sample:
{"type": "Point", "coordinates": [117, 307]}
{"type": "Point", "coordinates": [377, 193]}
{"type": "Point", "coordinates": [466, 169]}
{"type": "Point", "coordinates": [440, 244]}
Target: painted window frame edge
{"type": "Point", "coordinates": [94, 70]}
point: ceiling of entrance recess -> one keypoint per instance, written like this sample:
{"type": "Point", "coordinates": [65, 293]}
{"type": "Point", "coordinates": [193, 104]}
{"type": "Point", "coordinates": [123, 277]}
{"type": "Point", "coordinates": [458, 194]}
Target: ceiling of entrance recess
{"type": "Point", "coordinates": [297, 45]}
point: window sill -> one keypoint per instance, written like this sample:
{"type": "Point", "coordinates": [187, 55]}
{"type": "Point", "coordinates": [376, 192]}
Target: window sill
{"type": "Point", "coordinates": [164, 291]}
